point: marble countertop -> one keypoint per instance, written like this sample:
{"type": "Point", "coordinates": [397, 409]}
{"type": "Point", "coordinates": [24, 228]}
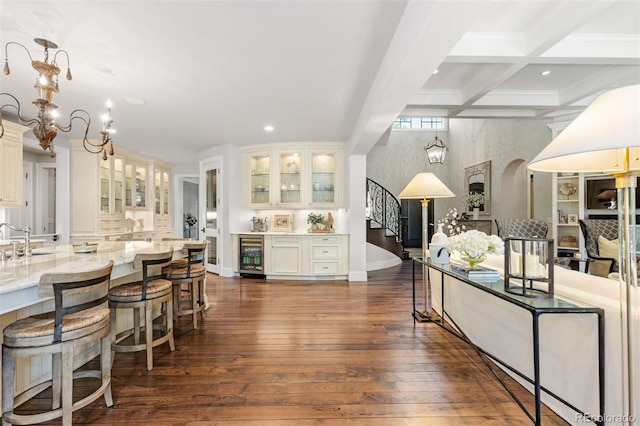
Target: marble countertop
{"type": "Point", "coordinates": [21, 241]}
{"type": "Point", "coordinates": [19, 280]}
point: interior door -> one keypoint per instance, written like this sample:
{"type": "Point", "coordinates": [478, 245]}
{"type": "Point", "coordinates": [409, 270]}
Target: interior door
{"type": "Point", "coordinates": [210, 211]}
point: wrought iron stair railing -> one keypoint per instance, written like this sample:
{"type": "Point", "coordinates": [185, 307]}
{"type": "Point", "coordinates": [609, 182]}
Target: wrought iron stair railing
{"type": "Point", "coordinates": [383, 208]}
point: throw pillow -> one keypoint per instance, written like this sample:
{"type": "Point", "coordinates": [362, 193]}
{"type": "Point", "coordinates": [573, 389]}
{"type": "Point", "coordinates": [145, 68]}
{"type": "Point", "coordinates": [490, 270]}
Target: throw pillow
{"type": "Point", "coordinates": [608, 248]}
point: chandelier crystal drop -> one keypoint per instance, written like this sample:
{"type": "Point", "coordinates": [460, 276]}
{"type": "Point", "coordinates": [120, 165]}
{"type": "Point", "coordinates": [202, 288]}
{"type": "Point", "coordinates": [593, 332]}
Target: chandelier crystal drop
{"type": "Point", "coordinates": [45, 125]}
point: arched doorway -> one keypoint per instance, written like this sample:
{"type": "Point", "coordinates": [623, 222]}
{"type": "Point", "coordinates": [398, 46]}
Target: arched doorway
{"type": "Point", "coordinates": [514, 189]}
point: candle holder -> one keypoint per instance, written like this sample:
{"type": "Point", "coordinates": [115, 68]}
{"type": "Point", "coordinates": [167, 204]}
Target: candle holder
{"type": "Point", "coordinates": [528, 267]}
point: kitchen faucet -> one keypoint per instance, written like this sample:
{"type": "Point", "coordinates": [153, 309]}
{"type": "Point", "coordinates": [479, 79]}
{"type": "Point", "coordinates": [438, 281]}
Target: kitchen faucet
{"type": "Point", "coordinates": [27, 236]}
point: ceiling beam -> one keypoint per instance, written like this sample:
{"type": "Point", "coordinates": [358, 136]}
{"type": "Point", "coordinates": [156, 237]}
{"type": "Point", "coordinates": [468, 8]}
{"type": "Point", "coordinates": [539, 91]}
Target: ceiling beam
{"type": "Point", "coordinates": [424, 37]}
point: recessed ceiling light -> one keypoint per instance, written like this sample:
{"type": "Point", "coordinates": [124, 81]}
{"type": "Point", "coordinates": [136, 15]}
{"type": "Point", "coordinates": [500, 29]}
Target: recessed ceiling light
{"type": "Point", "coordinates": [436, 71]}
{"type": "Point", "coordinates": [268, 128]}
{"type": "Point", "coordinates": [547, 72]}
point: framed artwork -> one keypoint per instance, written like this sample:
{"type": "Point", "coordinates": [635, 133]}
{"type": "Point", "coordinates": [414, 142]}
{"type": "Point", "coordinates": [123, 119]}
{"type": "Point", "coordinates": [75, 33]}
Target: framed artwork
{"type": "Point", "coordinates": [572, 218]}
{"type": "Point", "coordinates": [281, 222]}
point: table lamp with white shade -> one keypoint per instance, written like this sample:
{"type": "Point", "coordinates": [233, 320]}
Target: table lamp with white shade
{"type": "Point", "coordinates": [424, 186]}
{"type": "Point", "coordinates": [605, 137]}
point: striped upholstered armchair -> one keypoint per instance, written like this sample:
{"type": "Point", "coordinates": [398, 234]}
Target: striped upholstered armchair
{"type": "Point", "coordinates": [522, 228]}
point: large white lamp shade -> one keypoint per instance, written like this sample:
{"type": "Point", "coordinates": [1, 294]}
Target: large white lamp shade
{"type": "Point", "coordinates": [425, 185]}
{"type": "Point", "coordinates": [596, 140]}
{"type": "Point", "coordinates": [605, 137]}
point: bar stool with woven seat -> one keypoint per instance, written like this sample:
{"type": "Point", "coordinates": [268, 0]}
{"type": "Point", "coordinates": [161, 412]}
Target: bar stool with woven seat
{"type": "Point", "coordinates": [142, 296]}
{"type": "Point", "coordinates": [188, 276]}
{"type": "Point", "coordinates": [182, 261]}
{"type": "Point", "coordinates": [81, 317]}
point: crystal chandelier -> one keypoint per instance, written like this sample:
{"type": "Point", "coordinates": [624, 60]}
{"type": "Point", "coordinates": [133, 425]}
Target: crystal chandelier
{"type": "Point", "coordinates": [45, 126]}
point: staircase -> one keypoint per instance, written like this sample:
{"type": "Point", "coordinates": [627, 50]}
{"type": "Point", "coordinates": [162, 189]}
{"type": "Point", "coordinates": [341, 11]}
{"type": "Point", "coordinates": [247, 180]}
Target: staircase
{"type": "Point", "coordinates": [384, 227]}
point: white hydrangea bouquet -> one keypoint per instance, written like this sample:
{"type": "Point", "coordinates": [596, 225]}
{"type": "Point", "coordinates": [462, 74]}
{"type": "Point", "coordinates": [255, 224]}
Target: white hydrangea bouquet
{"type": "Point", "coordinates": [473, 246]}
{"type": "Point", "coordinates": [474, 199]}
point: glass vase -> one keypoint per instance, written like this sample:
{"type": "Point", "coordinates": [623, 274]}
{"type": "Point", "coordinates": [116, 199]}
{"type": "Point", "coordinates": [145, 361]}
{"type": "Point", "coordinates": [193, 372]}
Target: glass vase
{"type": "Point", "coordinates": [473, 261]}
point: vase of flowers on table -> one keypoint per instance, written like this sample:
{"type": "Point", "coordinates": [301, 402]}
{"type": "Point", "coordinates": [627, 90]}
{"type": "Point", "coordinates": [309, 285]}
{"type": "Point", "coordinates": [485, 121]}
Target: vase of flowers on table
{"type": "Point", "coordinates": [473, 246]}
{"type": "Point", "coordinates": [475, 200]}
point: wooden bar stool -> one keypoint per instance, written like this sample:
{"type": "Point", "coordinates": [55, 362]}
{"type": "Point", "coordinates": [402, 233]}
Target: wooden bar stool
{"type": "Point", "coordinates": [155, 290]}
{"type": "Point", "coordinates": [188, 276]}
{"type": "Point", "coordinates": [182, 261]}
{"type": "Point", "coordinates": [81, 317]}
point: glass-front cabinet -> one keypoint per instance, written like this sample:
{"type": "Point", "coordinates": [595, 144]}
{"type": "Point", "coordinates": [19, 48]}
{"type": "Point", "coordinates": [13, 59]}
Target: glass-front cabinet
{"type": "Point", "coordinates": [290, 182]}
{"type": "Point", "coordinates": [292, 176]}
{"type": "Point", "coordinates": [111, 185]}
{"type": "Point", "coordinates": [161, 195]}
{"type": "Point", "coordinates": [97, 188]}
{"type": "Point", "coordinates": [136, 184]}
{"type": "Point", "coordinates": [259, 179]}
{"type": "Point", "coordinates": [323, 178]}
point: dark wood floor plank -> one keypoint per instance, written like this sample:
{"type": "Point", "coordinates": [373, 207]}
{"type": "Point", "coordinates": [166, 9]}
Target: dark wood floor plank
{"type": "Point", "coordinates": [307, 353]}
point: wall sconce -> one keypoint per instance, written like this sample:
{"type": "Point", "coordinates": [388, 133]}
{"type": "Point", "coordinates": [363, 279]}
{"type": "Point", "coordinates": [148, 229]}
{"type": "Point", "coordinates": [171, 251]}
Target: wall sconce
{"type": "Point", "coordinates": [528, 267]}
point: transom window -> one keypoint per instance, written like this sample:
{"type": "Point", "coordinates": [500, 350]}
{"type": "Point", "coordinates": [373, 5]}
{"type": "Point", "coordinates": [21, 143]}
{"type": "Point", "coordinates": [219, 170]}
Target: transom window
{"type": "Point", "coordinates": [420, 123]}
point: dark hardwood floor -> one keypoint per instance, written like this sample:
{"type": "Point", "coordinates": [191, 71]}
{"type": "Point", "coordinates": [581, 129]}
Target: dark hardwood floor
{"type": "Point", "coordinates": [308, 353]}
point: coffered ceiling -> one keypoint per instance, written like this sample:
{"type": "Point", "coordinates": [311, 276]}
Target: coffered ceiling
{"type": "Point", "coordinates": [217, 72]}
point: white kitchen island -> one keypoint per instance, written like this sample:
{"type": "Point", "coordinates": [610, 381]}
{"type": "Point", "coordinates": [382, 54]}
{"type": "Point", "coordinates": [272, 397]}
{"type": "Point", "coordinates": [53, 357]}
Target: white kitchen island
{"type": "Point", "coordinates": [19, 280]}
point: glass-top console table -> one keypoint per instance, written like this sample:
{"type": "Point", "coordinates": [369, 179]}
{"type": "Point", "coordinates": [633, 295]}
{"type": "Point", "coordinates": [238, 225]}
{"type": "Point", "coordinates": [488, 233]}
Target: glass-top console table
{"type": "Point", "coordinates": [535, 306]}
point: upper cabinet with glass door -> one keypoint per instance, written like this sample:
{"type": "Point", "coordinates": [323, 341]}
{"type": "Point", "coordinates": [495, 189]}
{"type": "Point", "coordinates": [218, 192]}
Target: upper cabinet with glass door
{"type": "Point", "coordinates": [161, 195]}
{"type": "Point", "coordinates": [325, 184]}
{"type": "Point", "coordinates": [293, 176]}
{"type": "Point", "coordinates": [290, 179]}
{"type": "Point", "coordinates": [259, 184]}
{"type": "Point", "coordinates": [111, 185]}
{"type": "Point", "coordinates": [136, 174]}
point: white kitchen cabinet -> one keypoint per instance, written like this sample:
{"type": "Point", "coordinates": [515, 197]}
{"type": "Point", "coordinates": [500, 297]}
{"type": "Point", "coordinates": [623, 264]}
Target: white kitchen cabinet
{"type": "Point", "coordinates": [283, 255]}
{"type": "Point", "coordinates": [304, 256]}
{"type": "Point", "coordinates": [136, 175]}
{"type": "Point", "coordinates": [112, 185]}
{"type": "Point", "coordinates": [257, 188]}
{"type": "Point", "coordinates": [161, 213]}
{"type": "Point", "coordinates": [328, 255]}
{"type": "Point", "coordinates": [11, 179]}
{"type": "Point", "coordinates": [96, 191]}
{"type": "Point", "coordinates": [292, 176]}
{"type": "Point", "coordinates": [290, 179]}
{"type": "Point", "coordinates": [325, 183]}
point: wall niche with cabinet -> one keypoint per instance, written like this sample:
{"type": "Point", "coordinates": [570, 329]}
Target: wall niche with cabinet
{"type": "Point", "coordinates": [293, 176]}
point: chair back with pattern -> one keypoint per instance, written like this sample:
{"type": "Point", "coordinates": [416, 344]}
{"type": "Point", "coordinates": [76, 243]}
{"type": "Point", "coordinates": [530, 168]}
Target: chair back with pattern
{"type": "Point", "coordinates": [592, 229]}
{"type": "Point", "coordinates": [522, 228]}
{"type": "Point", "coordinates": [75, 291]}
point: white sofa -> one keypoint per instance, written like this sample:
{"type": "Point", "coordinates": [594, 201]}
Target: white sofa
{"type": "Point", "coordinates": [569, 363]}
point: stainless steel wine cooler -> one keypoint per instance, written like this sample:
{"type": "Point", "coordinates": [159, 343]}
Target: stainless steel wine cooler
{"type": "Point", "coordinates": [251, 255]}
